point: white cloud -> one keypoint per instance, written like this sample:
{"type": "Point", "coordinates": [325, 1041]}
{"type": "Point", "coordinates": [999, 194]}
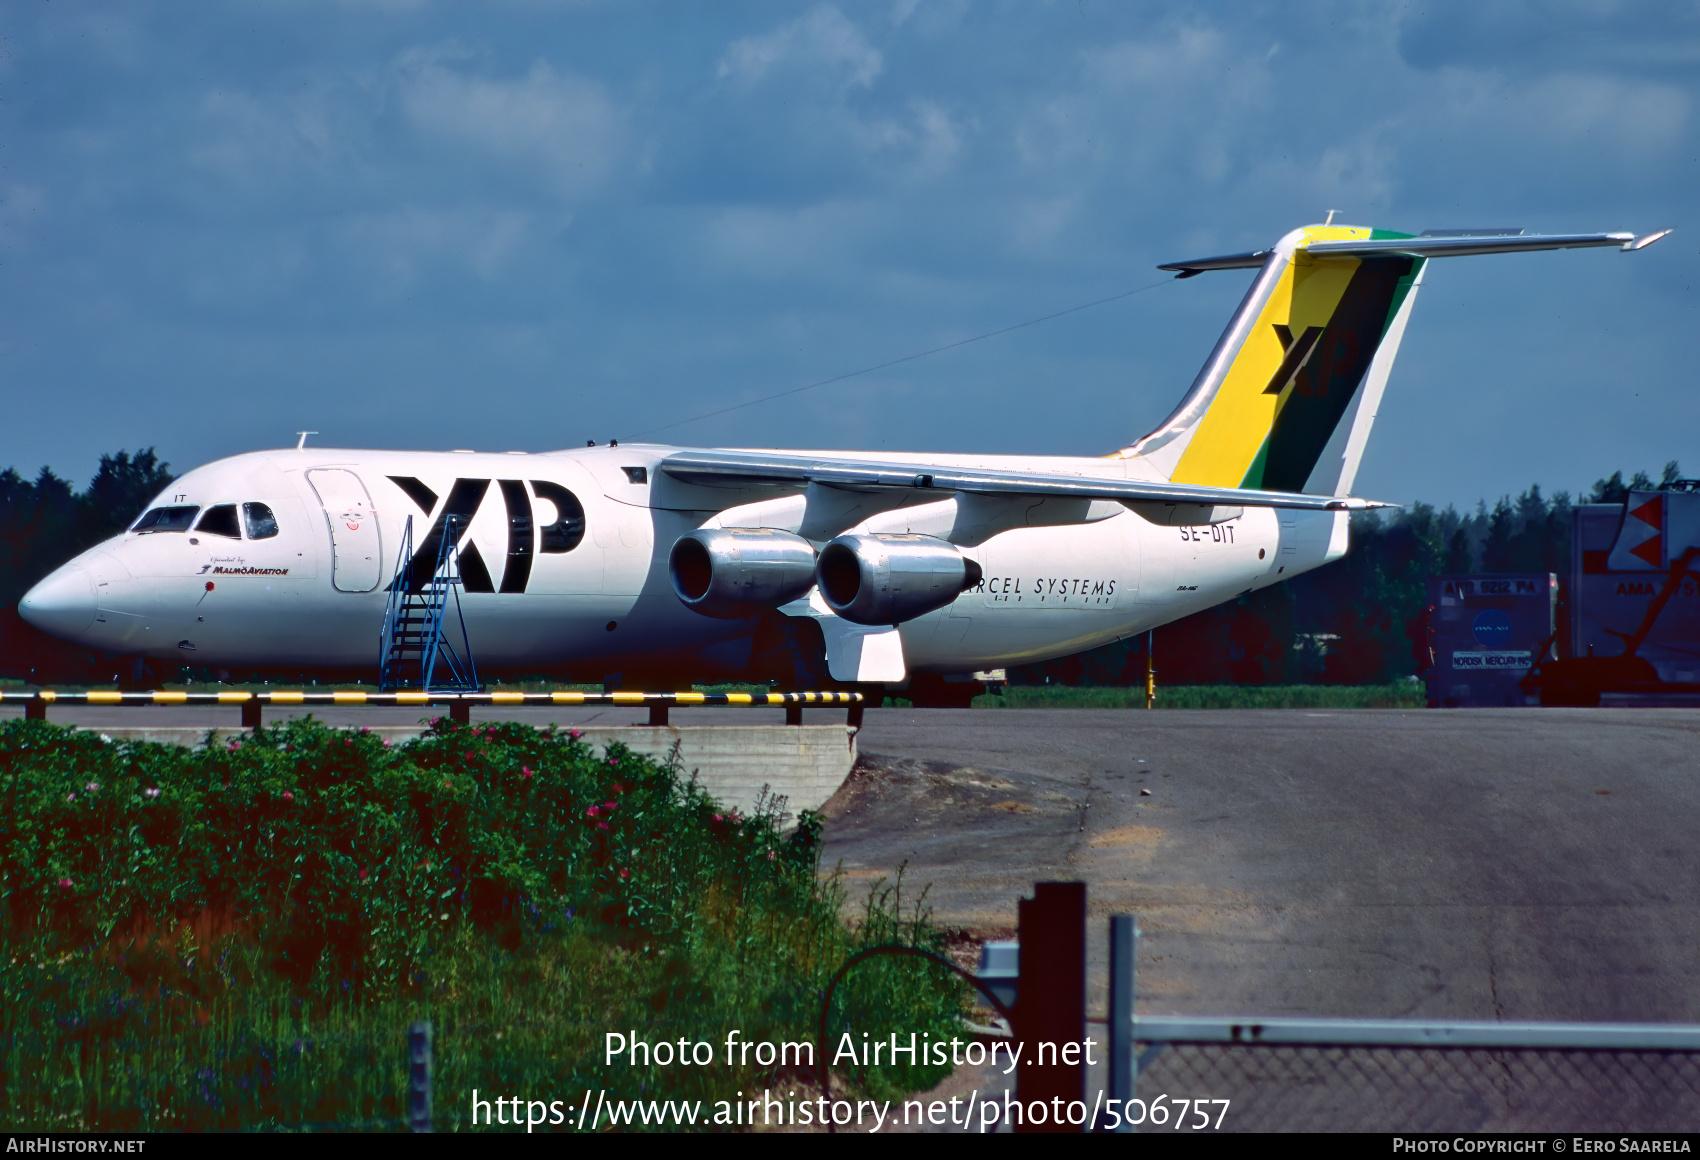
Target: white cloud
{"type": "Point", "coordinates": [563, 125]}
{"type": "Point", "coordinates": [822, 37]}
{"type": "Point", "coordinates": [926, 144]}
{"type": "Point", "coordinates": [253, 140]}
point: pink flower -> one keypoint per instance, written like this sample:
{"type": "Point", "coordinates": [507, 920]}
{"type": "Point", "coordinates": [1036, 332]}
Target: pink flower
{"type": "Point", "coordinates": [591, 812]}
{"type": "Point", "coordinates": [574, 734]}
{"type": "Point", "coordinates": [364, 875]}
{"type": "Point", "coordinates": [525, 771]}
{"type": "Point", "coordinates": [365, 729]}
{"type": "Point", "coordinates": [469, 755]}
{"type": "Point", "coordinates": [609, 805]}
{"type": "Point", "coordinates": [386, 743]}
{"type": "Point", "coordinates": [624, 874]}
{"type": "Point", "coordinates": [771, 855]}
{"type": "Point", "coordinates": [602, 825]}
{"type": "Point", "coordinates": [151, 792]}
{"type": "Point", "coordinates": [618, 788]}
{"type": "Point", "coordinates": [718, 818]}
{"type": "Point", "coordinates": [70, 797]}
{"type": "Point", "coordinates": [288, 795]}
{"type": "Point", "coordinates": [65, 883]}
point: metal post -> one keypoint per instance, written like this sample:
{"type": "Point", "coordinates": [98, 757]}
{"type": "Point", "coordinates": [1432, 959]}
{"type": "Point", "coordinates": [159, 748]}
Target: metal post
{"type": "Point", "coordinates": [1150, 669]}
{"type": "Point", "coordinates": [251, 712]}
{"type": "Point", "coordinates": [419, 1077]}
{"type": "Point", "coordinates": [658, 712]}
{"type": "Point", "coordinates": [1124, 967]}
{"type": "Point", "coordinates": [35, 709]}
{"type": "Point", "coordinates": [460, 712]}
{"type": "Point", "coordinates": [1051, 1012]}
{"type": "Point", "coordinates": [794, 713]}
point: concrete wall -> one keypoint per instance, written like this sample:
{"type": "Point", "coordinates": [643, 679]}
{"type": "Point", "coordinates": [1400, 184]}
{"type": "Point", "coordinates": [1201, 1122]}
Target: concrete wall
{"type": "Point", "coordinates": [805, 764]}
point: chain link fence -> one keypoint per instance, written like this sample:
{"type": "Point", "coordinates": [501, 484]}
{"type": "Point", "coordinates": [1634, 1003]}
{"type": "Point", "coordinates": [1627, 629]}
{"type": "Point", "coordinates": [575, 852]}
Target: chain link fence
{"type": "Point", "coordinates": [1418, 1086]}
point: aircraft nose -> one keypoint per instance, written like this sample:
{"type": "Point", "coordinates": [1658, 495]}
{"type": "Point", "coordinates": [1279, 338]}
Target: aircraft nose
{"type": "Point", "coordinates": [63, 604]}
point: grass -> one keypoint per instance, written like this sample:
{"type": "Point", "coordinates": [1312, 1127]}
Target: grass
{"type": "Point", "coordinates": [1400, 695]}
{"type": "Point", "coordinates": [238, 936]}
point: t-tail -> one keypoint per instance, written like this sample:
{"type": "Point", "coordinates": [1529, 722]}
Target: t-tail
{"type": "Point", "coordinates": [1286, 399]}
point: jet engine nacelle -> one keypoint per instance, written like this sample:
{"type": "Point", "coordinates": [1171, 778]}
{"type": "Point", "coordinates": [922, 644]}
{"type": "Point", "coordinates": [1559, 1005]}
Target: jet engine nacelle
{"type": "Point", "coordinates": [889, 577]}
{"type": "Point", "coordinates": [737, 572]}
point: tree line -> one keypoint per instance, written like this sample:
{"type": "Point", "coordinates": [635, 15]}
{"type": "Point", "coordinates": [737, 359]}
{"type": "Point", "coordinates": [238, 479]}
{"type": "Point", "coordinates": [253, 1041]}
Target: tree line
{"type": "Point", "coordinates": [1359, 620]}
{"type": "Point", "coordinates": [47, 521]}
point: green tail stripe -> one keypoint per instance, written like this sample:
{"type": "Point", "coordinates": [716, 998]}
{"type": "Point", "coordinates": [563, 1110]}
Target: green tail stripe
{"type": "Point", "coordinates": [1317, 402]}
{"type": "Point", "coordinates": [1254, 475]}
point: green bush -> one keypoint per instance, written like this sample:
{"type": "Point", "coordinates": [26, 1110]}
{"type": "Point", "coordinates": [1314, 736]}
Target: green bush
{"type": "Point", "coordinates": [238, 935]}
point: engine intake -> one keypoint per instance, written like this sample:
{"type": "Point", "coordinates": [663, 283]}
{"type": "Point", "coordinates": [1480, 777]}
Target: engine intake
{"type": "Point", "coordinates": [888, 577]}
{"type": "Point", "coordinates": [732, 573]}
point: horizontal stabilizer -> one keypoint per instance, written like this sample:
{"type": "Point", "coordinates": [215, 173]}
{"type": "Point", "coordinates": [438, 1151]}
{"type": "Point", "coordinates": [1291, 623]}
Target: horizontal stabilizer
{"type": "Point", "coordinates": [1433, 244]}
{"type": "Point", "coordinates": [756, 468]}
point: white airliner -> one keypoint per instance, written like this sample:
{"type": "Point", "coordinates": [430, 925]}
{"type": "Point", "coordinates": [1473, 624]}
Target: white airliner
{"type": "Point", "coordinates": [651, 565]}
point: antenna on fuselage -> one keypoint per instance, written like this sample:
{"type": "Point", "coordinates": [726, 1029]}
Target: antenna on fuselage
{"type": "Point", "coordinates": [301, 443]}
{"type": "Point", "coordinates": [1329, 220]}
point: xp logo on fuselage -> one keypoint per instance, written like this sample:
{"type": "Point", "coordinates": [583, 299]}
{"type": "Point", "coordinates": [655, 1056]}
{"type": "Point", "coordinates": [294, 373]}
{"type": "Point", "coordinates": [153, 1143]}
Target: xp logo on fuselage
{"type": "Point", "coordinates": [457, 511]}
{"type": "Point", "coordinates": [1492, 628]}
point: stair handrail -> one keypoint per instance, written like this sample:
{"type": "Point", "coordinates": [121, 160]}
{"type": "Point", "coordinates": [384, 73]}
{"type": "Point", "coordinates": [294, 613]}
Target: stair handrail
{"type": "Point", "coordinates": [446, 580]}
{"type": "Point", "coordinates": [394, 604]}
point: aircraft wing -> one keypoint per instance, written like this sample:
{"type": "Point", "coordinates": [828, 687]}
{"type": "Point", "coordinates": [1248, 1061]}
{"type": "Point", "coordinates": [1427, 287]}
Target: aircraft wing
{"type": "Point", "coordinates": [745, 468]}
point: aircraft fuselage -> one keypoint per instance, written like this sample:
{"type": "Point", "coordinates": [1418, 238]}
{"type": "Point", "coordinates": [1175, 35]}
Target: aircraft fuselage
{"type": "Point", "coordinates": [587, 593]}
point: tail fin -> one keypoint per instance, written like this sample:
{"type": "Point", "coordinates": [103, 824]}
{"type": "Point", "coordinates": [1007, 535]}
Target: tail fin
{"type": "Point", "coordinates": [1286, 400]}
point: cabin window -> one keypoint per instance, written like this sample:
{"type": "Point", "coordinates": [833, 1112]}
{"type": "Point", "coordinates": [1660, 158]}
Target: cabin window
{"type": "Point", "coordinates": [220, 520]}
{"type": "Point", "coordinates": [166, 519]}
{"type": "Point", "coordinates": [262, 525]}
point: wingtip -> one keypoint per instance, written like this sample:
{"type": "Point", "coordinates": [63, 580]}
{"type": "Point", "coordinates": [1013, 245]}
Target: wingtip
{"type": "Point", "coordinates": [1643, 242]}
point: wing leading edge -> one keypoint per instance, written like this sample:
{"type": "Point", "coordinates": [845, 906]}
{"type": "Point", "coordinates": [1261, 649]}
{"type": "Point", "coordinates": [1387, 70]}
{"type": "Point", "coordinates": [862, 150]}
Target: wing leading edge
{"type": "Point", "coordinates": [745, 468]}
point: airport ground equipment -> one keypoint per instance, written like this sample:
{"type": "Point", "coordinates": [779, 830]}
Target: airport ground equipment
{"type": "Point", "coordinates": [414, 640]}
{"type": "Point", "coordinates": [36, 703]}
{"type": "Point", "coordinates": [1633, 603]}
{"type": "Point", "coordinates": [1484, 634]}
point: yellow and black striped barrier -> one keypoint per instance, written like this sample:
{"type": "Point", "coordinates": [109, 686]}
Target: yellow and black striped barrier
{"type": "Point", "coordinates": [460, 705]}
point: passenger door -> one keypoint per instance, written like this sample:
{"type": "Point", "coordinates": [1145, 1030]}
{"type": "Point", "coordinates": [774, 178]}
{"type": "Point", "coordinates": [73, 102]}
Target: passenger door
{"type": "Point", "coordinates": [357, 559]}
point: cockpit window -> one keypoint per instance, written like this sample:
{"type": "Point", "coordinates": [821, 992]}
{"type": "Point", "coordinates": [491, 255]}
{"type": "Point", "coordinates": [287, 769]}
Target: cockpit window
{"type": "Point", "coordinates": [166, 519]}
{"type": "Point", "coordinates": [262, 525]}
{"type": "Point", "coordinates": [220, 520]}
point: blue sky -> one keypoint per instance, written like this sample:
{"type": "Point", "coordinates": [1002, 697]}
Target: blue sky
{"type": "Point", "coordinates": [521, 225]}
